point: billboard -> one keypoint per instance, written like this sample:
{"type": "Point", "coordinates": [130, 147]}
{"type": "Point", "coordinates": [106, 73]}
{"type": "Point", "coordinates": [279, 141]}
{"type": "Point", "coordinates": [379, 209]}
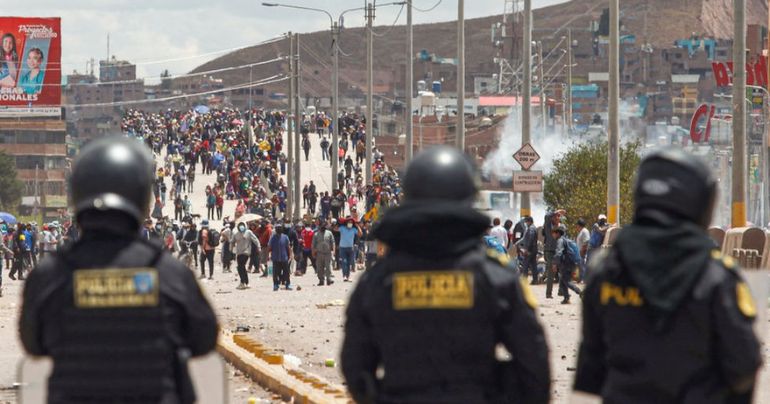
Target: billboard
{"type": "Point", "coordinates": [30, 64]}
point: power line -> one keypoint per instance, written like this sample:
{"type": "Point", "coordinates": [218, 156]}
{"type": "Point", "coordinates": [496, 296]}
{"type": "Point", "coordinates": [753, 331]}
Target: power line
{"type": "Point", "coordinates": [151, 62]}
{"type": "Point", "coordinates": [269, 80]}
{"type": "Point", "coordinates": [341, 75]}
{"type": "Point", "coordinates": [427, 9]}
{"type": "Point", "coordinates": [179, 76]}
{"type": "Point", "coordinates": [392, 25]}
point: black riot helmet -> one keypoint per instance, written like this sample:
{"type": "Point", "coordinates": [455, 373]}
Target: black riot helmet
{"type": "Point", "coordinates": [441, 173]}
{"type": "Point", "coordinates": [112, 174]}
{"type": "Point", "coordinates": [672, 182]}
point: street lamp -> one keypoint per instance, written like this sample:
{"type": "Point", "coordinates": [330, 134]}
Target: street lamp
{"type": "Point", "coordinates": [335, 31]}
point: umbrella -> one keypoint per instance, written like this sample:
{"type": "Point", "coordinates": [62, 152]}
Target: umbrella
{"type": "Point", "coordinates": [249, 217]}
{"type": "Point", "coordinates": [7, 217]}
{"type": "Point", "coordinates": [202, 109]}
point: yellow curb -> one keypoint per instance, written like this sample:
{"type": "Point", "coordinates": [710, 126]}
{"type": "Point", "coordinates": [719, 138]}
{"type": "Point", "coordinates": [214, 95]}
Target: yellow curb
{"type": "Point", "coordinates": [241, 351]}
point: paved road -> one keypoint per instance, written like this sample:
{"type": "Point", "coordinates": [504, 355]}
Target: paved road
{"type": "Point", "coordinates": [307, 323]}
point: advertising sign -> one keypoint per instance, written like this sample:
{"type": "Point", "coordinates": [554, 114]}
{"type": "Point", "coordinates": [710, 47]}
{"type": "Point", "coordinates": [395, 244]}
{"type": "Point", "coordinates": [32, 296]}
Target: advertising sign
{"type": "Point", "coordinates": [30, 64]}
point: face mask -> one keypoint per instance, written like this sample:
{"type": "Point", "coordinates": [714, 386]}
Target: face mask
{"type": "Point", "coordinates": [350, 225]}
{"type": "Point", "coordinates": [241, 229]}
{"type": "Point", "coordinates": [157, 228]}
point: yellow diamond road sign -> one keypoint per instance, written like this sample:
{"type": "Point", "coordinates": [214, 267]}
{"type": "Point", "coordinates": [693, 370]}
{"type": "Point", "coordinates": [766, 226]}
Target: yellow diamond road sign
{"type": "Point", "coordinates": [526, 156]}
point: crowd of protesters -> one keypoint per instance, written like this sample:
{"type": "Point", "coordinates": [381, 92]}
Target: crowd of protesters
{"type": "Point", "coordinates": [23, 244]}
{"type": "Point", "coordinates": [245, 152]}
{"type": "Point", "coordinates": [546, 253]}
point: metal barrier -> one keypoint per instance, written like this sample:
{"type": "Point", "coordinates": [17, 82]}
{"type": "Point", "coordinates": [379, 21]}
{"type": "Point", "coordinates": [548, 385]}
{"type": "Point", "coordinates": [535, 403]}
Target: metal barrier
{"type": "Point", "coordinates": [718, 235]}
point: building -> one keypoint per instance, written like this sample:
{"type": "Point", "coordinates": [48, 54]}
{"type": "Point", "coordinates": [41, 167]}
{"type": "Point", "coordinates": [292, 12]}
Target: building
{"type": "Point", "coordinates": [40, 151]}
{"type": "Point", "coordinates": [91, 112]}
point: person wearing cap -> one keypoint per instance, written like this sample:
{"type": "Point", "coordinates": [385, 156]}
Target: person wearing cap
{"type": "Point", "coordinates": [118, 316]}
{"type": "Point", "coordinates": [432, 314]}
{"type": "Point", "coordinates": [48, 241]}
{"type": "Point", "coordinates": [598, 231]}
{"type": "Point", "coordinates": [667, 318]}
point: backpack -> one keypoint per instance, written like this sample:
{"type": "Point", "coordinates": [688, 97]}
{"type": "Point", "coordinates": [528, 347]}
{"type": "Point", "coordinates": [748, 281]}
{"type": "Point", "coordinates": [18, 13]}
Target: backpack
{"type": "Point", "coordinates": [214, 237]}
{"type": "Point", "coordinates": [571, 255]}
{"type": "Point", "coordinates": [596, 239]}
{"type": "Point", "coordinates": [493, 244]}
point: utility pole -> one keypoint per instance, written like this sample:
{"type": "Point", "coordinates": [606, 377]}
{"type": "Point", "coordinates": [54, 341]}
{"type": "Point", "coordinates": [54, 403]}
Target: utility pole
{"type": "Point", "coordinates": [766, 141]}
{"type": "Point", "coordinates": [409, 82]}
{"type": "Point", "coordinates": [543, 106]}
{"type": "Point", "coordinates": [369, 91]}
{"type": "Point", "coordinates": [461, 75]}
{"type": "Point", "coordinates": [739, 116]}
{"type": "Point", "coordinates": [251, 89]}
{"type": "Point", "coordinates": [613, 154]}
{"type": "Point", "coordinates": [35, 203]}
{"type": "Point", "coordinates": [334, 155]}
{"type": "Point", "coordinates": [526, 103]}
{"type": "Point", "coordinates": [568, 115]}
{"type": "Point", "coordinates": [297, 131]}
{"type": "Point", "coordinates": [290, 157]}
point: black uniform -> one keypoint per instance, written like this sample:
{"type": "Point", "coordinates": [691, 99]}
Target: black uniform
{"type": "Point", "coordinates": [630, 356]}
{"type": "Point", "coordinates": [115, 353]}
{"type": "Point", "coordinates": [666, 319]}
{"type": "Point", "coordinates": [430, 314]}
{"type": "Point", "coordinates": [117, 314]}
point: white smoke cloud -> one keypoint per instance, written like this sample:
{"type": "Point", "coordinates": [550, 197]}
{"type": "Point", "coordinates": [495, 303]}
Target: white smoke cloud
{"type": "Point", "coordinates": [550, 146]}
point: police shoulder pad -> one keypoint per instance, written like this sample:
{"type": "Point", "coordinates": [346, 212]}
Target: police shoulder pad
{"type": "Point", "coordinates": [744, 300]}
{"type": "Point", "coordinates": [498, 258]}
{"type": "Point", "coordinates": [526, 292]}
{"type": "Point", "coordinates": [726, 261]}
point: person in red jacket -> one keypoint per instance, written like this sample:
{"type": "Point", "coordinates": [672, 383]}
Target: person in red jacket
{"type": "Point", "coordinates": [264, 232]}
{"type": "Point", "coordinates": [307, 247]}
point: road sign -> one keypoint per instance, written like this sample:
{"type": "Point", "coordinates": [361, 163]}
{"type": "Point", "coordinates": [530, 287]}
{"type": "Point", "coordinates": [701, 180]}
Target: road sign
{"type": "Point", "coordinates": [527, 181]}
{"type": "Point", "coordinates": [526, 156]}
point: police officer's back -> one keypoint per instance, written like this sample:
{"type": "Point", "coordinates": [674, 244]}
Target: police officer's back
{"type": "Point", "coordinates": [117, 315]}
{"type": "Point", "coordinates": [666, 319]}
{"type": "Point", "coordinates": [432, 311]}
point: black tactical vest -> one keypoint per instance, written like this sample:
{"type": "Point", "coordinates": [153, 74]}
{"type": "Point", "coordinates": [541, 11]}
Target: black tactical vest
{"type": "Point", "coordinates": [113, 345]}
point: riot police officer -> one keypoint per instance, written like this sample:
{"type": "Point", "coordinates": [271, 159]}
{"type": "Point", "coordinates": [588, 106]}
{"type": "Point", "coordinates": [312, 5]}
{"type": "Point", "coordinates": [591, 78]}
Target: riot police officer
{"type": "Point", "coordinates": [666, 319]}
{"type": "Point", "coordinates": [118, 316]}
{"type": "Point", "coordinates": [431, 312]}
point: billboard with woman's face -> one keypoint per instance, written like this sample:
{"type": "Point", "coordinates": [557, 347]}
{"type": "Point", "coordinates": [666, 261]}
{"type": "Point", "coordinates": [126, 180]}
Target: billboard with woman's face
{"type": "Point", "coordinates": [30, 62]}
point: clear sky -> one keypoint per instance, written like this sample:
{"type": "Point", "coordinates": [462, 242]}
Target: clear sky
{"type": "Point", "coordinates": [145, 31]}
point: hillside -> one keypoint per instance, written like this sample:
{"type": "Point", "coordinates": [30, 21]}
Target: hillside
{"type": "Point", "coordinates": [664, 20]}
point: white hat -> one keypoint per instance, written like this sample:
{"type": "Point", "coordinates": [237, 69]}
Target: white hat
{"type": "Point", "coordinates": [601, 217]}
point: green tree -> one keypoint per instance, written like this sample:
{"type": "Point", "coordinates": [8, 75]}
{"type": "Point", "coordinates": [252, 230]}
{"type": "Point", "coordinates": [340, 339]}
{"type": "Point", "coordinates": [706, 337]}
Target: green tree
{"type": "Point", "coordinates": [10, 186]}
{"type": "Point", "coordinates": [578, 182]}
